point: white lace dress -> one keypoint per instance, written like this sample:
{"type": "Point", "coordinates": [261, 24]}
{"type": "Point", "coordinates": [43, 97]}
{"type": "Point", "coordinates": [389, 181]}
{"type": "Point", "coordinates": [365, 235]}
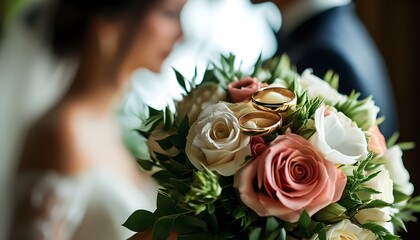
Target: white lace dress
{"type": "Point", "coordinates": [93, 205]}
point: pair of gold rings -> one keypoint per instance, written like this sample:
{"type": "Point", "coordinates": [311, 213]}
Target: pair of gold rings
{"type": "Point", "coordinates": [271, 102]}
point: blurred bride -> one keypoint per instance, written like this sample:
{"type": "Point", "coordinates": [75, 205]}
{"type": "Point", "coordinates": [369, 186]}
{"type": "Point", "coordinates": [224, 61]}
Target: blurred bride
{"type": "Point", "coordinates": [75, 179]}
{"type": "Point", "coordinates": [32, 79]}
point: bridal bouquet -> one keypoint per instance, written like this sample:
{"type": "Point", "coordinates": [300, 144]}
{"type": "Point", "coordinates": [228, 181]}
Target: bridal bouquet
{"type": "Point", "coordinates": [273, 155]}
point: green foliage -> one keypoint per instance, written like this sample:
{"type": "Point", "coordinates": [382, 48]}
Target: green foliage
{"type": "Point", "coordinates": [380, 232]}
{"type": "Point", "coordinates": [354, 108]}
{"type": "Point", "coordinates": [332, 79]}
{"type": "Point", "coordinates": [224, 73]}
{"type": "Point", "coordinates": [200, 204]}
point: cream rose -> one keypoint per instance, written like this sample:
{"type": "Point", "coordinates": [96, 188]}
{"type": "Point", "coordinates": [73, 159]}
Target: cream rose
{"type": "Point", "coordinates": [347, 230]}
{"type": "Point", "coordinates": [337, 138]}
{"type": "Point", "coordinates": [316, 87]}
{"type": "Point", "coordinates": [204, 95]}
{"type": "Point", "coordinates": [288, 177]}
{"type": "Point", "coordinates": [397, 171]}
{"type": "Point", "coordinates": [377, 215]}
{"type": "Point", "coordinates": [215, 141]}
{"type": "Point", "coordinates": [383, 184]}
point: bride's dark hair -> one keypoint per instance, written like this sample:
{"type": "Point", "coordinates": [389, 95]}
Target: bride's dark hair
{"type": "Point", "coordinates": [71, 19]}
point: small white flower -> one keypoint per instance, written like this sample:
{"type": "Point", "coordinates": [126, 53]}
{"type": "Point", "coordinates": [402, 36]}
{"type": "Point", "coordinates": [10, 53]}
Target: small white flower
{"type": "Point", "coordinates": [316, 87]}
{"type": "Point", "coordinates": [397, 171]}
{"type": "Point", "coordinates": [347, 230]}
{"type": "Point", "coordinates": [337, 138]}
{"type": "Point", "coordinates": [215, 141]}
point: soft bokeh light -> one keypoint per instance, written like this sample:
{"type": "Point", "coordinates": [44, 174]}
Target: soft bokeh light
{"type": "Point", "coordinates": [210, 28]}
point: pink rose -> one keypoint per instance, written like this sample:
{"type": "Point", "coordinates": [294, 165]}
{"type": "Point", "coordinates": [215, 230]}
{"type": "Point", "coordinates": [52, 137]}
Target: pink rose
{"type": "Point", "coordinates": [291, 176]}
{"type": "Point", "coordinates": [257, 145]}
{"type": "Point", "coordinates": [243, 89]}
{"type": "Point", "coordinates": [377, 142]}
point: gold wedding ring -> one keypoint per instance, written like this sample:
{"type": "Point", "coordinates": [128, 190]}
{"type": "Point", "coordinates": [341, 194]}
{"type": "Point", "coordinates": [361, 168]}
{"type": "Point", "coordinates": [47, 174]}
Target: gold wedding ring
{"type": "Point", "coordinates": [274, 99]}
{"type": "Point", "coordinates": [260, 123]}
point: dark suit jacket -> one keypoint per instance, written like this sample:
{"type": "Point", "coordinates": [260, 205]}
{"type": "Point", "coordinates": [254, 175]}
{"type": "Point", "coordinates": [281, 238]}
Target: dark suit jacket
{"type": "Point", "coordinates": [337, 40]}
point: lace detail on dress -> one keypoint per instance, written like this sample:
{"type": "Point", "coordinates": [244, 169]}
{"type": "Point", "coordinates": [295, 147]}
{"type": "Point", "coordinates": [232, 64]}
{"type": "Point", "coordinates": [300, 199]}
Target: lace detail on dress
{"type": "Point", "coordinates": [49, 205]}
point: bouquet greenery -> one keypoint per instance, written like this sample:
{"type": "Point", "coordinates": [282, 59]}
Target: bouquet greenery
{"type": "Point", "coordinates": [272, 154]}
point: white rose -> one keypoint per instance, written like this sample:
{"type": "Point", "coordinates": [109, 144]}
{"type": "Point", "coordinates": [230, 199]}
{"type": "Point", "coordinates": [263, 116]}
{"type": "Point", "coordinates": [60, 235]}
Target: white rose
{"type": "Point", "coordinates": [316, 87]}
{"type": "Point", "coordinates": [215, 141]}
{"type": "Point", "coordinates": [347, 230]}
{"type": "Point", "coordinates": [382, 183]}
{"type": "Point", "coordinates": [199, 98]}
{"type": "Point", "coordinates": [337, 138]}
{"type": "Point", "coordinates": [377, 215]}
{"type": "Point", "coordinates": [397, 171]}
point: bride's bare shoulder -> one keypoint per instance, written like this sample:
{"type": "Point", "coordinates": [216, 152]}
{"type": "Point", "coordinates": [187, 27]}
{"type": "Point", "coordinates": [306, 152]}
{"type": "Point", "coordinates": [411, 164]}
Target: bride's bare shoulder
{"type": "Point", "coordinates": [52, 143]}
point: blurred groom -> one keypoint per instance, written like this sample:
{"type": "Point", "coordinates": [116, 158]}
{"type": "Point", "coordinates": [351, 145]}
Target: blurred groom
{"type": "Point", "coordinates": [327, 34]}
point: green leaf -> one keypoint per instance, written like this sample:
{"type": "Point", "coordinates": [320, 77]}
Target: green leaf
{"type": "Point", "coordinates": [255, 233]}
{"type": "Point", "coordinates": [271, 224]}
{"type": "Point", "coordinates": [184, 224]}
{"type": "Point", "coordinates": [375, 204]}
{"type": "Point", "coordinates": [283, 234]}
{"type": "Point", "coordinates": [393, 139]}
{"type": "Point", "coordinates": [274, 235]}
{"type": "Point", "coordinates": [146, 164]}
{"type": "Point", "coordinates": [379, 231]}
{"type": "Point", "coordinates": [322, 233]}
{"type": "Point", "coordinates": [184, 127]}
{"type": "Point", "coordinates": [211, 208]}
{"type": "Point", "coordinates": [304, 224]}
{"type": "Point", "coordinates": [331, 214]}
{"type": "Point", "coordinates": [257, 66]}
{"type": "Point", "coordinates": [332, 79]}
{"type": "Point", "coordinates": [407, 145]}
{"type": "Point", "coordinates": [181, 80]}
{"type": "Point", "coordinates": [178, 141]}
{"type": "Point", "coordinates": [165, 143]}
{"type": "Point", "coordinates": [162, 228]}
{"type": "Point", "coordinates": [399, 196]}
{"type": "Point", "coordinates": [168, 119]}
{"type": "Point", "coordinates": [150, 124]}
{"type": "Point", "coordinates": [140, 221]}
{"type": "Point", "coordinates": [398, 222]}
{"type": "Point", "coordinates": [165, 205]}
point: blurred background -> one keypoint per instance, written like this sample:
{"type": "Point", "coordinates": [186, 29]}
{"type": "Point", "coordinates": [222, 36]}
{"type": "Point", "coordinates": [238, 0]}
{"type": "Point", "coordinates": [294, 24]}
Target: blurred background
{"type": "Point", "coordinates": [395, 27]}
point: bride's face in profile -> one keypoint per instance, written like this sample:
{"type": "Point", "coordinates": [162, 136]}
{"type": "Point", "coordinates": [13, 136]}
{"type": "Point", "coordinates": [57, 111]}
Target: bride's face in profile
{"type": "Point", "coordinates": [157, 35]}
